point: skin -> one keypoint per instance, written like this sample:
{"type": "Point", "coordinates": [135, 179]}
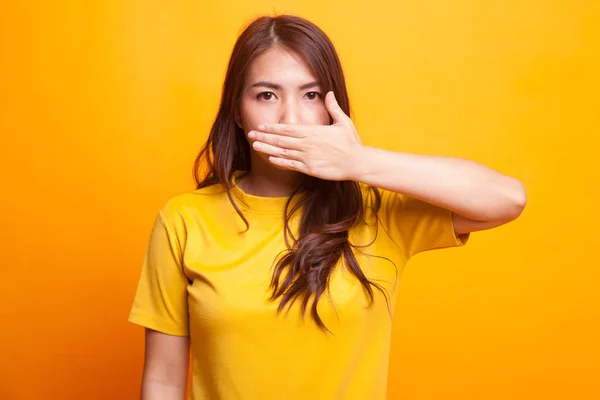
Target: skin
{"type": "Point", "coordinates": [166, 362]}
{"type": "Point", "coordinates": [285, 117]}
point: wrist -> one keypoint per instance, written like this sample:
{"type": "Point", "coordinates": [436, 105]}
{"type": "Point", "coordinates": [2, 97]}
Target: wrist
{"type": "Point", "coordinates": [358, 164]}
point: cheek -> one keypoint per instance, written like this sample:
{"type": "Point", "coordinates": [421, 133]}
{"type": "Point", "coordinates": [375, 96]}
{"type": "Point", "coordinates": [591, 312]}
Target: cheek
{"type": "Point", "coordinates": [253, 114]}
{"type": "Point", "coordinates": [316, 114]}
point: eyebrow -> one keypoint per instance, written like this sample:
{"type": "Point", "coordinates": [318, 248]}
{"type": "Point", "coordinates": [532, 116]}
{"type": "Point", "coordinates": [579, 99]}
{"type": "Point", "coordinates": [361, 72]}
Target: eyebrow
{"type": "Point", "coordinates": [275, 86]}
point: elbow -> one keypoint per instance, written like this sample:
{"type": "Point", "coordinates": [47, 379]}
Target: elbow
{"type": "Point", "coordinates": [516, 200]}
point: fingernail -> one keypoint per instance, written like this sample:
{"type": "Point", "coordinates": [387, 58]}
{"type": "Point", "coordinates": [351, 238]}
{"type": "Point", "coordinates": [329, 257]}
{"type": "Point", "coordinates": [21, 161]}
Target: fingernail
{"type": "Point", "coordinates": [251, 134]}
{"type": "Point", "coordinates": [261, 127]}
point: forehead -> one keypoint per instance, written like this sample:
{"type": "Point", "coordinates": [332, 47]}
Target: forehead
{"type": "Point", "coordinates": [279, 66]}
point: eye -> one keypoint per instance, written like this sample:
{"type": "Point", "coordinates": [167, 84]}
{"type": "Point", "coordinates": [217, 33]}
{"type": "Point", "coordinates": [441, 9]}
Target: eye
{"type": "Point", "coordinates": [266, 96]}
{"type": "Point", "coordinates": [313, 95]}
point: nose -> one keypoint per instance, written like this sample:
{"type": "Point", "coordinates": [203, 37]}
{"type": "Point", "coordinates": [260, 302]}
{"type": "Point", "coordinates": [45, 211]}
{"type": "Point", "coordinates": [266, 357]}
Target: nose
{"type": "Point", "coordinates": [289, 112]}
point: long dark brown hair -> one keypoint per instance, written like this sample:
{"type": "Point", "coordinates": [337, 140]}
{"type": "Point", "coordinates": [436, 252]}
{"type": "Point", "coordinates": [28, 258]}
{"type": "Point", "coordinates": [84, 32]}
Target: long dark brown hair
{"type": "Point", "coordinates": [329, 208]}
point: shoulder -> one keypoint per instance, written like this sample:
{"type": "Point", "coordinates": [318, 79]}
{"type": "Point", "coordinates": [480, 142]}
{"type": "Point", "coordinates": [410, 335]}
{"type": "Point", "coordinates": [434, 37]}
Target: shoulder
{"type": "Point", "coordinates": [391, 205]}
{"type": "Point", "coordinates": [371, 195]}
{"type": "Point", "coordinates": [192, 202]}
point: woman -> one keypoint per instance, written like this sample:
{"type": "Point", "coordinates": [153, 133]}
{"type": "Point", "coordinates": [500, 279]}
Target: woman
{"type": "Point", "coordinates": [280, 270]}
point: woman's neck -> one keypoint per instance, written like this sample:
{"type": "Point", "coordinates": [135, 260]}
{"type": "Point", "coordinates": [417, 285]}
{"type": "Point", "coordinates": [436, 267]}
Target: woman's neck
{"type": "Point", "coordinates": [265, 180]}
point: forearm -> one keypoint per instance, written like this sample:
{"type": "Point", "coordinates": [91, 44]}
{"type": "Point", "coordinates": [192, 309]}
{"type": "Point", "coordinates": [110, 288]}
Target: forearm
{"type": "Point", "coordinates": [462, 186]}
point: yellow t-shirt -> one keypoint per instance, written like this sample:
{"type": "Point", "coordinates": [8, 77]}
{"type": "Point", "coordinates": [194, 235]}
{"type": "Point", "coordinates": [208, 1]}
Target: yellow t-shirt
{"type": "Point", "coordinates": [240, 347]}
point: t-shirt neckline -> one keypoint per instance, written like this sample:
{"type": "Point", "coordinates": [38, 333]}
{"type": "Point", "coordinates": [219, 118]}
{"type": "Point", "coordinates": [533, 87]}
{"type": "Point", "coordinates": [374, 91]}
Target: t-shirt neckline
{"type": "Point", "coordinates": [259, 204]}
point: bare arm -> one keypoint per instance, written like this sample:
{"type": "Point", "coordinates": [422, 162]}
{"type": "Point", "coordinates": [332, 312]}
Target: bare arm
{"type": "Point", "coordinates": [480, 197]}
{"type": "Point", "coordinates": [166, 363]}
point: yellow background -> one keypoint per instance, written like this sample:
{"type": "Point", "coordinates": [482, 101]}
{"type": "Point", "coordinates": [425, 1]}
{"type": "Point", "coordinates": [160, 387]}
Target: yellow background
{"type": "Point", "coordinates": [103, 106]}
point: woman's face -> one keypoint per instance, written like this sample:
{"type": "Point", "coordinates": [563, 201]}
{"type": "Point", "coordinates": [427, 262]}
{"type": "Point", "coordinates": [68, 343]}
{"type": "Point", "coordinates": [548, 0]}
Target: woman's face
{"type": "Point", "coordinates": [280, 89]}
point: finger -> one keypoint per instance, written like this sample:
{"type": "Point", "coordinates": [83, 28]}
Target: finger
{"type": "Point", "coordinates": [277, 151]}
{"type": "Point", "coordinates": [293, 165]}
{"type": "Point", "coordinates": [334, 108]}
{"type": "Point", "coordinates": [297, 131]}
{"type": "Point", "coordinates": [276, 140]}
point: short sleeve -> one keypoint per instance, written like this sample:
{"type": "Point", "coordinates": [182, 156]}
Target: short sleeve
{"type": "Point", "coordinates": [160, 302]}
{"type": "Point", "coordinates": [416, 226]}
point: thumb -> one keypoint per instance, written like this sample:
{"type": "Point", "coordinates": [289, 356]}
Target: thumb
{"type": "Point", "coordinates": [334, 108]}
